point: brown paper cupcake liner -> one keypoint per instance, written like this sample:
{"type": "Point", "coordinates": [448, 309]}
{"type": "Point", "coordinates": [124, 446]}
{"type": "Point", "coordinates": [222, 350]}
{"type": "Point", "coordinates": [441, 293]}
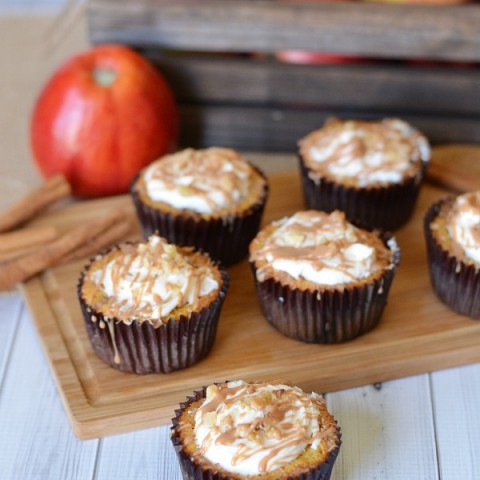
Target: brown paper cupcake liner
{"type": "Point", "coordinates": [194, 471]}
{"type": "Point", "coordinates": [387, 208]}
{"type": "Point", "coordinates": [226, 238]}
{"type": "Point", "coordinates": [325, 316]}
{"type": "Point", "coordinates": [456, 283]}
{"type": "Point", "coordinates": [142, 348]}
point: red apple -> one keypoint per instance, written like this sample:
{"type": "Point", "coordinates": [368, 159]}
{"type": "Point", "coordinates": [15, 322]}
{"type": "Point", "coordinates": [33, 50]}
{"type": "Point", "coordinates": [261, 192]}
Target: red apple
{"type": "Point", "coordinates": [101, 117]}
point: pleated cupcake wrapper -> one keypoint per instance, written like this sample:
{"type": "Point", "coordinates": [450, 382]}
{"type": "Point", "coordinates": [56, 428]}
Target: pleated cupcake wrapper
{"type": "Point", "coordinates": [325, 316]}
{"type": "Point", "coordinates": [387, 208]}
{"type": "Point", "coordinates": [456, 283]}
{"type": "Point", "coordinates": [143, 348]}
{"type": "Point", "coordinates": [194, 471]}
{"type": "Point", "coordinates": [226, 238]}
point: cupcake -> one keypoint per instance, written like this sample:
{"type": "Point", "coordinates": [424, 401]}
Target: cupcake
{"type": "Point", "coordinates": [452, 232]}
{"type": "Point", "coordinates": [151, 307]}
{"type": "Point", "coordinates": [239, 430]}
{"type": "Point", "coordinates": [321, 279]}
{"type": "Point", "coordinates": [212, 199]}
{"type": "Point", "coordinates": [370, 170]}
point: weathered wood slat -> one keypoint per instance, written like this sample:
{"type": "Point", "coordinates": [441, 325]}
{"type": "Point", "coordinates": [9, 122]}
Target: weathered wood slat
{"type": "Point", "coordinates": [456, 401]}
{"type": "Point", "coordinates": [386, 433]}
{"type": "Point", "coordinates": [36, 440]}
{"type": "Point", "coordinates": [374, 86]}
{"type": "Point", "coordinates": [394, 31]}
{"type": "Point", "coordinates": [269, 128]}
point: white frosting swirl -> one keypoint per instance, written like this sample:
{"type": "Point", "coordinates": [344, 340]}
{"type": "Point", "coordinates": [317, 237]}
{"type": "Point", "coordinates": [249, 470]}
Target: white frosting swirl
{"type": "Point", "coordinates": [203, 181]}
{"type": "Point", "coordinates": [366, 152]}
{"type": "Point", "coordinates": [322, 248]}
{"type": "Point", "coordinates": [251, 429]}
{"type": "Point", "coordinates": [151, 280]}
{"type": "Point", "coordinates": [464, 224]}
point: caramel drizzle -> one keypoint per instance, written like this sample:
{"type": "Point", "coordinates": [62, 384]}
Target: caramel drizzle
{"type": "Point", "coordinates": [119, 263]}
{"type": "Point", "coordinates": [111, 328]}
{"type": "Point", "coordinates": [273, 424]}
{"type": "Point", "coordinates": [398, 148]}
{"type": "Point", "coordinates": [328, 227]}
{"type": "Point", "coordinates": [205, 168]}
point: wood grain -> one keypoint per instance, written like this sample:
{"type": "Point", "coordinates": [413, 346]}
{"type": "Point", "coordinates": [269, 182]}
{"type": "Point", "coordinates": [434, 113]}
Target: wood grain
{"type": "Point", "coordinates": [279, 128]}
{"type": "Point", "coordinates": [417, 334]}
{"type": "Point", "coordinates": [208, 79]}
{"type": "Point", "coordinates": [438, 32]}
{"type": "Point", "coordinates": [456, 166]}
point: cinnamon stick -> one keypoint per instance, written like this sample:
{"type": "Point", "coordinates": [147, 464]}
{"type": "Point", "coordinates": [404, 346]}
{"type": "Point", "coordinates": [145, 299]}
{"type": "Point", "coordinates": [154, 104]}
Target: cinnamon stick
{"type": "Point", "coordinates": [38, 200]}
{"type": "Point", "coordinates": [27, 238]}
{"type": "Point", "coordinates": [51, 254]}
{"type": "Point", "coordinates": [19, 252]}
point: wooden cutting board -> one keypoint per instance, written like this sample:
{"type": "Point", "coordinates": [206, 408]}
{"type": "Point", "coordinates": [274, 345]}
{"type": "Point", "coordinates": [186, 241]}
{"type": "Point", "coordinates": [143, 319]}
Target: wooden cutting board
{"type": "Point", "coordinates": [417, 334]}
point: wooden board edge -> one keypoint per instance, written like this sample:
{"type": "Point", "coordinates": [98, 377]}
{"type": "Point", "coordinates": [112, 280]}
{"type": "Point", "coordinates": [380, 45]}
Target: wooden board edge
{"type": "Point", "coordinates": [95, 428]}
{"type": "Point", "coordinates": [439, 357]}
{"type": "Point", "coordinates": [33, 291]}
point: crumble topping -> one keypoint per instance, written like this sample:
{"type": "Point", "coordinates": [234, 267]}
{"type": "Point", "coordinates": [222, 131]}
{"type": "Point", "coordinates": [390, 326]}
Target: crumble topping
{"type": "Point", "coordinates": [146, 281]}
{"type": "Point", "coordinates": [321, 248]}
{"type": "Point", "coordinates": [204, 181]}
{"type": "Point", "coordinates": [364, 153]}
{"type": "Point", "coordinates": [254, 428]}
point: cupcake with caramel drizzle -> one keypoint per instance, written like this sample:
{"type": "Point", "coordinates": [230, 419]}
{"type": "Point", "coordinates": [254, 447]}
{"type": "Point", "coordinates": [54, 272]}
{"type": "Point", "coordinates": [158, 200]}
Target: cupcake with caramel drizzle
{"type": "Point", "coordinates": [212, 199]}
{"type": "Point", "coordinates": [452, 232]}
{"type": "Point", "coordinates": [138, 298]}
{"type": "Point", "coordinates": [321, 279]}
{"type": "Point", "coordinates": [239, 430]}
{"type": "Point", "coordinates": [371, 170]}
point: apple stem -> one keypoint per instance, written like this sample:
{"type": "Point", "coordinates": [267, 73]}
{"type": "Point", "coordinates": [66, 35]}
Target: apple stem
{"type": "Point", "coordinates": [104, 76]}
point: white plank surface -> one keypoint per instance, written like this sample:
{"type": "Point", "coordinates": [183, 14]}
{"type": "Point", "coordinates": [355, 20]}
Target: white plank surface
{"type": "Point", "coordinates": [146, 455]}
{"type": "Point", "coordinates": [10, 308]}
{"type": "Point", "coordinates": [456, 402]}
{"type": "Point", "coordinates": [424, 427]}
{"type": "Point", "coordinates": [387, 433]}
{"type": "Point", "coordinates": [36, 441]}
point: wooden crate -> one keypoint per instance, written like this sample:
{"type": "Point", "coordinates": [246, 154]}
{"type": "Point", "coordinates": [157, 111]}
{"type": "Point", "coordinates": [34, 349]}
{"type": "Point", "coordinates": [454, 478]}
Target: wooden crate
{"type": "Point", "coordinates": [230, 96]}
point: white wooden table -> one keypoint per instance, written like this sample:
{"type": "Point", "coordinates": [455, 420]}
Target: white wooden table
{"type": "Point", "coordinates": [422, 427]}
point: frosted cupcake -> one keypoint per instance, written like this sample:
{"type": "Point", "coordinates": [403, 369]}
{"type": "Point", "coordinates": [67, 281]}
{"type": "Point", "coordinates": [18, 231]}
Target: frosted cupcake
{"type": "Point", "coordinates": [239, 430]}
{"type": "Point", "coordinates": [370, 170]}
{"type": "Point", "coordinates": [212, 199]}
{"type": "Point", "coordinates": [151, 307]}
{"type": "Point", "coordinates": [452, 231]}
{"type": "Point", "coordinates": [321, 279]}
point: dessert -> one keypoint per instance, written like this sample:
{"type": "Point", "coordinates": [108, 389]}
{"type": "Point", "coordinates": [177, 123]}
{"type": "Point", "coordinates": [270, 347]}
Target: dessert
{"type": "Point", "coordinates": [212, 199]}
{"type": "Point", "coordinates": [321, 279]}
{"type": "Point", "coordinates": [151, 307]}
{"type": "Point", "coordinates": [452, 231]}
{"type": "Point", "coordinates": [370, 170]}
{"type": "Point", "coordinates": [238, 430]}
